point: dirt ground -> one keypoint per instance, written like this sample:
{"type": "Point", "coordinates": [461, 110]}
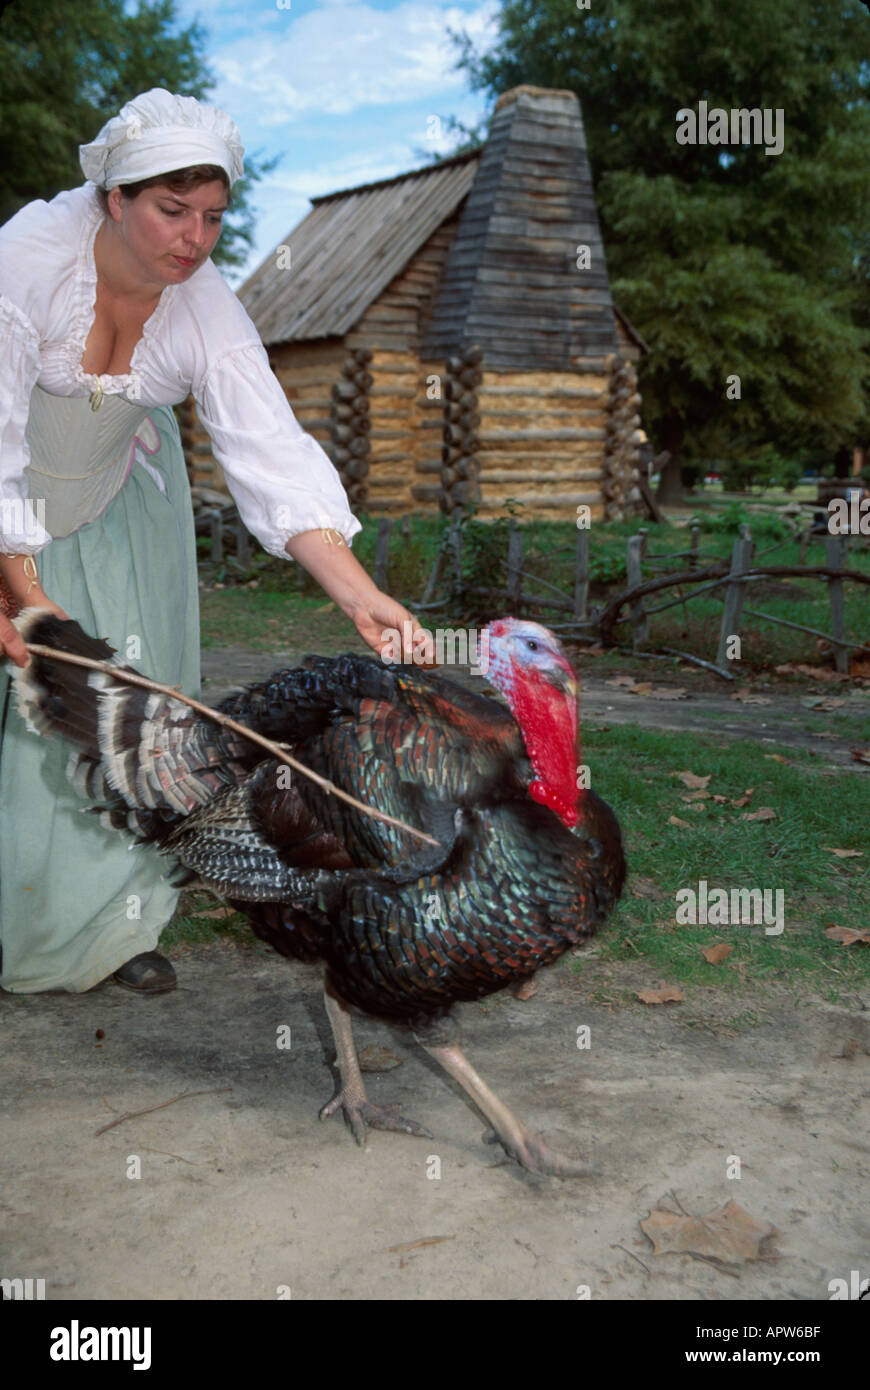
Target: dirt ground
{"type": "Point", "coordinates": [243, 1193]}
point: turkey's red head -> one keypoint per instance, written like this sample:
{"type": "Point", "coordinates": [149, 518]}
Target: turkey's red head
{"type": "Point", "coordinates": [525, 661]}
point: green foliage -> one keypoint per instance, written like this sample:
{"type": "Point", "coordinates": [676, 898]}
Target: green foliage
{"type": "Point", "coordinates": [764, 468]}
{"type": "Point", "coordinates": [67, 68]}
{"type": "Point", "coordinates": [763, 525]}
{"type": "Point", "coordinates": [728, 261]}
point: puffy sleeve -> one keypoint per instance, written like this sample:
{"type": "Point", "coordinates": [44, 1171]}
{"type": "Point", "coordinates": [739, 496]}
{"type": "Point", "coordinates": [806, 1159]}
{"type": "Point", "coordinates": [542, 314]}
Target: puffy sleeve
{"type": "Point", "coordinates": [281, 480]}
{"type": "Point", "coordinates": [21, 532]}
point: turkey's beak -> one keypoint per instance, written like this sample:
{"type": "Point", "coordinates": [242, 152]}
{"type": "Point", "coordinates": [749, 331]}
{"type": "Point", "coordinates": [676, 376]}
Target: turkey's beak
{"type": "Point", "coordinates": [564, 680]}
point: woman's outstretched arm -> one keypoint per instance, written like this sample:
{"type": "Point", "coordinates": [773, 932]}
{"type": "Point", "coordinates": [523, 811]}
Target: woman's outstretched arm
{"type": "Point", "coordinates": [341, 575]}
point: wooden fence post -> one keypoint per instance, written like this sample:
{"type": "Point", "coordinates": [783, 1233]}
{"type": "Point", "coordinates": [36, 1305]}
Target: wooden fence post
{"type": "Point", "coordinates": [216, 523]}
{"type": "Point", "coordinates": [382, 548]}
{"type": "Point", "coordinates": [581, 575]}
{"type": "Point", "coordinates": [515, 564]}
{"type": "Point", "coordinates": [741, 557]}
{"type": "Point", "coordinates": [639, 621]}
{"type": "Point", "coordinates": [243, 544]}
{"type": "Point", "coordinates": [694, 532]}
{"type": "Point", "coordinates": [835, 556]}
{"type": "Point", "coordinates": [455, 544]}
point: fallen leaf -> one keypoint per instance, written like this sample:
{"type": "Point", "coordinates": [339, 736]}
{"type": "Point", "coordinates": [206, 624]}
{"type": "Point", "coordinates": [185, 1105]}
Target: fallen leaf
{"type": "Point", "coordinates": [763, 813]}
{"type": "Point", "coordinates": [849, 935]}
{"type": "Point", "coordinates": [642, 887]}
{"type": "Point", "coordinates": [861, 753]}
{"type": "Point", "coordinates": [822, 702]}
{"type": "Point", "coordinates": [592, 651]}
{"type": "Point", "coordinates": [668, 692]}
{"type": "Point", "coordinates": [641, 688]}
{"type": "Point", "coordinates": [628, 681]}
{"type": "Point", "coordinates": [720, 799]}
{"type": "Point", "coordinates": [820, 673]}
{"type": "Point", "coordinates": [692, 780]}
{"type": "Point", "coordinates": [665, 994]}
{"type": "Point", "coordinates": [845, 853]}
{"type": "Point", "coordinates": [726, 1233]}
{"type": "Point", "coordinates": [418, 1244]}
{"type": "Point", "coordinates": [716, 953]}
{"type": "Point", "coordinates": [524, 989]}
{"type": "Point", "coordinates": [374, 1058]}
{"type": "Point", "coordinates": [700, 795]}
{"type": "Point", "coordinates": [675, 820]}
{"type": "Point", "coordinates": [745, 799]}
{"type": "Point", "coordinates": [776, 758]}
{"type": "Point", "coordinates": [747, 699]}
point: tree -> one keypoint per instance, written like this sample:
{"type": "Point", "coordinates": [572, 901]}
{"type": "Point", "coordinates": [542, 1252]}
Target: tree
{"type": "Point", "coordinates": [731, 262]}
{"type": "Point", "coordinates": [68, 67]}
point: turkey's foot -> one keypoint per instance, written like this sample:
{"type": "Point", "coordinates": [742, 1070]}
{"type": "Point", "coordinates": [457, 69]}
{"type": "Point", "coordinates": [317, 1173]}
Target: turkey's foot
{"type": "Point", "coordinates": [519, 1143]}
{"type": "Point", "coordinates": [360, 1112]}
{"type": "Point", "coordinates": [351, 1096]}
{"type": "Point", "coordinates": [535, 1156]}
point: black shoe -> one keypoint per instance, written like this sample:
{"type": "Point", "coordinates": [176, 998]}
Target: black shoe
{"type": "Point", "coordinates": [149, 973]}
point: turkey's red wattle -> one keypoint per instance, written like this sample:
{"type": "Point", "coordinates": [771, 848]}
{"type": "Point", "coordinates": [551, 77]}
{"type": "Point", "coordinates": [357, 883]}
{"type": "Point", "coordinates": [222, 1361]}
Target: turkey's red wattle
{"type": "Point", "coordinates": [548, 721]}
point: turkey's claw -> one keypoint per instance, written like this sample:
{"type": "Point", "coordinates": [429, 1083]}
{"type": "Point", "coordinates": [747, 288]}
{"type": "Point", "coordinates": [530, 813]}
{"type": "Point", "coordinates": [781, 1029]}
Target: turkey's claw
{"type": "Point", "coordinates": [535, 1156]}
{"type": "Point", "coordinates": [360, 1112]}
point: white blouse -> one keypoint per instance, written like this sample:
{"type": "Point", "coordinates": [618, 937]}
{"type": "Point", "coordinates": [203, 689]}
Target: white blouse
{"type": "Point", "coordinates": [199, 339]}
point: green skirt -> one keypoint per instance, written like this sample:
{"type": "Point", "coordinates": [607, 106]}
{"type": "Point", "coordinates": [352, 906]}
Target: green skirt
{"type": "Point", "coordinates": [76, 900]}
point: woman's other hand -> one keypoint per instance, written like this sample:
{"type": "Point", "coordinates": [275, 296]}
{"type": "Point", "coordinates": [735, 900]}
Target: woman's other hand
{"type": "Point", "coordinates": [12, 645]}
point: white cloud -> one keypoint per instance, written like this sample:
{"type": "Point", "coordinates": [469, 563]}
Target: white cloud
{"type": "Point", "coordinates": [343, 56]}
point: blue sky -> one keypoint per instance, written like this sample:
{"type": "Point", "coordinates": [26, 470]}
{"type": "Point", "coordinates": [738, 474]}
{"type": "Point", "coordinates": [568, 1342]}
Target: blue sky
{"type": "Point", "coordinates": [343, 90]}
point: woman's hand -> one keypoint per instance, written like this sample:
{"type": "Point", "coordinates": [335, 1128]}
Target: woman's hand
{"type": "Point", "coordinates": [12, 644]}
{"type": "Point", "coordinates": [379, 618]}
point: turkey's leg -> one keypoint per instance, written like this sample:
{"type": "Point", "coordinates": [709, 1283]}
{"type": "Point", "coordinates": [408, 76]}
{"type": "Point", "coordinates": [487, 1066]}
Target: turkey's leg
{"type": "Point", "coordinates": [351, 1097]}
{"type": "Point", "coordinates": [528, 1149]}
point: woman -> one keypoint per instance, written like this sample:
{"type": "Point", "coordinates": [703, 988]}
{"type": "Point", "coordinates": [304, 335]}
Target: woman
{"type": "Point", "coordinates": [110, 313]}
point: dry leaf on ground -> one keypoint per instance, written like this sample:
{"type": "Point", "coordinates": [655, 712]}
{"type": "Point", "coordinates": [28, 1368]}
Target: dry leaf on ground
{"type": "Point", "coordinates": [816, 673]}
{"type": "Point", "coordinates": [374, 1058]}
{"type": "Point", "coordinates": [746, 698]}
{"type": "Point", "coordinates": [861, 753]}
{"type": "Point", "coordinates": [675, 820]}
{"type": "Point", "coordinates": [716, 953]}
{"type": "Point", "coordinates": [642, 887]}
{"type": "Point", "coordinates": [665, 994]}
{"type": "Point", "coordinates": [726, 1233]}
{"type": "Point", "coordinates": [763, 813]}
{"type": "Point", "coordinates": [845, 853]}
{"type": "Point", "coordinates": [524, 989]}
{"type": "Point", "coordinates": [692, 780]}
{"type": "Point", "coordinates": [848, 936]}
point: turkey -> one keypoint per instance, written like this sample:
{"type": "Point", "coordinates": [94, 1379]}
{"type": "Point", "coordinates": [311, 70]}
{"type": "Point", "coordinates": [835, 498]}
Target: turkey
{"type": "Point", "coordinates": [524, 865]}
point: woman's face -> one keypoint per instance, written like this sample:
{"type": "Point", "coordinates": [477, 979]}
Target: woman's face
{"type": "Point", "coordinates": [169, 234]}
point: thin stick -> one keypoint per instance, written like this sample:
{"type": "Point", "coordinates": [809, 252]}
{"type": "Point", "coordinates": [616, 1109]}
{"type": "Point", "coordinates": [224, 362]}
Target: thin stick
{"type": "Point", "coordinates": [276, 749]}
{"type": "Point", "coordinates": [633, 1256]}
{"type": "Point", "coordinates": [184, 1095]}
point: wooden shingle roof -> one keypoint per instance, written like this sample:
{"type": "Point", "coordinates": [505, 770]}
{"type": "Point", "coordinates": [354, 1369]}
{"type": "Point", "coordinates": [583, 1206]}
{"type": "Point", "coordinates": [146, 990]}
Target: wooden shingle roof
{"type": "Point", "coordinates": [348, 249]}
